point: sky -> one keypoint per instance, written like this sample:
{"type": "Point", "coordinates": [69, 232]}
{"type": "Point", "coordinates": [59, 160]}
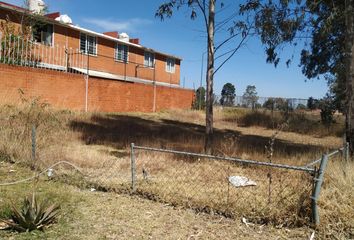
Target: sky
{"type": "Point", "coordinates": [185, 38]}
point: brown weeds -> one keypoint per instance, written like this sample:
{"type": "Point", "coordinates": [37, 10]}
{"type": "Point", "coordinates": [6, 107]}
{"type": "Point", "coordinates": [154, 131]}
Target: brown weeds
{"type": "Point", "coordinates": [99, 145]}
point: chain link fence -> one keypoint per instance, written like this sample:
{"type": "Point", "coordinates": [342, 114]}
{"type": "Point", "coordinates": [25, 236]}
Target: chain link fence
{"type": "Point", "coordinates": [261, 192]}
{"type": "Point", "coordinates": [261, 102]}
{"type": "Point", "coordinates": [258, 191]}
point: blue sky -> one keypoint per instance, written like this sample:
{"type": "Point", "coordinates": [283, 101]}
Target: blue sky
{"type": "Point", "coordinates": [183, 37]}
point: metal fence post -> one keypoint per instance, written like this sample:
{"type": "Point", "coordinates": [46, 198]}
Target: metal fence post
{"type": "Point", "coordinates": [346, 153]}
{"type": "Point", "coordinates": [133, 167]}
{"type": "Point", "coordinates": [318, 179]}
{"type": "Point", "coordinates": [33, 145]}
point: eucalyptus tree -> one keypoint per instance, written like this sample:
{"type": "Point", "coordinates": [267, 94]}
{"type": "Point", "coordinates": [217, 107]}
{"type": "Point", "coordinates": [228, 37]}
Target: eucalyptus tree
{"type": "Point", "coordinates": [226, 32]}
{"type": "Point", "coordinates": [250, 96]}
{"type": "Point", "coordinates": [228, 94]}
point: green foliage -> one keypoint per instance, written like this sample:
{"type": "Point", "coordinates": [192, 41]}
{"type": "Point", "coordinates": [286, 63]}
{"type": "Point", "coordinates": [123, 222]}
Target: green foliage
{"type": "Point", "coordinates": [258, 106]}
{"type": "Point", "coordinates": [269, 104]}
{"type": "Point", "coordinates": [33, 215]}
{"type": "Point", "coordinates": [199, 99]}
{"type": "Point", "coordinates": [301, 106]}
{"type": "Point", "coordinates": [15, 46]}
{"type": "Point", "coordinates": [337, 89]}
{"type": "Point", "coordinates": [317, 25]}
{"type": "Point", "coordinates": [283, 105]}
{"type": "Point", "coordinates": [313, 104]}
{"type": "Point", "coordinates": [228, 95]}
{"type": "Point", "coordinates": [250, 97]}
{"type": "Point", "coordinates": [327, 111]}
{"type": "Point", "coordinates": [5, 212]}
{"type": "Point", "coordinates": [279, 22]}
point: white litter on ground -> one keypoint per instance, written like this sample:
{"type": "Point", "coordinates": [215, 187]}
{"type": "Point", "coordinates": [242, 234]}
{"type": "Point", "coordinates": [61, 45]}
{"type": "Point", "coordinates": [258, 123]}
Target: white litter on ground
{"type": "Point", "coordinates": [239, 181]}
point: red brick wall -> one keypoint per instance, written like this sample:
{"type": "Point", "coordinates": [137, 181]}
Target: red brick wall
{"type": "Point", "coordinates": [66, 90]}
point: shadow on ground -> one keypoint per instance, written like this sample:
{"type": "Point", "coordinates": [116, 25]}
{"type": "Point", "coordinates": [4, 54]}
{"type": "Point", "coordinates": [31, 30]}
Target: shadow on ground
{"type": "Point", "coordinates": [119, 131]}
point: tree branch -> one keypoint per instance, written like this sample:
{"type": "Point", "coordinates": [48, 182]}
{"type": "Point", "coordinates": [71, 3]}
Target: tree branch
{"type": "Point", "coordinates": [226, 41]}
{"type": "Point", "coordinates": [233, 51]}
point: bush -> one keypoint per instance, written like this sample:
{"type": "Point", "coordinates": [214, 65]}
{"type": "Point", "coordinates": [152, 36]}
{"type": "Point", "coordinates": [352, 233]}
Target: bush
{"type": "Point", "coordinates": [299, 122]}
{"type": "Point", "coordinates": [301, 107]}
{"type": "Point", "coordinates": [199, 99]}
{"type": "Point", "coordinates": [327, 111]}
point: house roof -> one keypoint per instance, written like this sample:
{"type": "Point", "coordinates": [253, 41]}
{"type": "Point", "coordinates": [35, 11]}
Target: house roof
{"type": "Point", "coordinates": [12, 7]}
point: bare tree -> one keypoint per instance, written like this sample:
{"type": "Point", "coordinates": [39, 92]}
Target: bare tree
{"type": "Point", "coordinates": [216, 22]}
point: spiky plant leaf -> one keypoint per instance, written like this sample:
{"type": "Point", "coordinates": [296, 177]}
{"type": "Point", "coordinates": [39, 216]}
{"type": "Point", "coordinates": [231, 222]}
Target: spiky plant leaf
{"type": "Point", "coordinates": [33, 215]}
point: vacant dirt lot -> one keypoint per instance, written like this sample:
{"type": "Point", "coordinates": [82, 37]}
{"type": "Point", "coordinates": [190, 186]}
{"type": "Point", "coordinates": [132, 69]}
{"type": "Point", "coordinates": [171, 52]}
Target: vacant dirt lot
{"type": "Point", "coordinates": [98, 144]}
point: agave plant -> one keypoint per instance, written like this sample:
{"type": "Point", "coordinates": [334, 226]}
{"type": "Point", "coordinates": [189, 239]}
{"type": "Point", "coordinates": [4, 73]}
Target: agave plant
{"type": "Point", "coordinates": [33, 215]}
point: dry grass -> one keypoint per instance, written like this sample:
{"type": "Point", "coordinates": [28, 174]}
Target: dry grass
{"type": "Point", "coordinates": [336, 200]}
{"type": "Point", "coordinates": [203, 185]}
{"type": "Point", "coordinates": [99, 145]}
{"type": "Point", "coordinates": [98, 215]}
{"type": "Point", "coordinates": [305, 122]}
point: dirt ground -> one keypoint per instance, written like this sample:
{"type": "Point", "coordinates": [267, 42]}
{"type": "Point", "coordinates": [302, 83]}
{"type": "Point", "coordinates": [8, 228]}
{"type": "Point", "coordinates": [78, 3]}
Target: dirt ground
{"type": "Point", "coordinates": [110, 216]}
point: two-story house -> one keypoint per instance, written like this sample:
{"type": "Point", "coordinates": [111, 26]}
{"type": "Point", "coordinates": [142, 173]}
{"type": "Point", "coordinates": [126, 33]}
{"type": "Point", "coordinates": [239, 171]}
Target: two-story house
{"type": "Point", "coordinates": [57, 44]}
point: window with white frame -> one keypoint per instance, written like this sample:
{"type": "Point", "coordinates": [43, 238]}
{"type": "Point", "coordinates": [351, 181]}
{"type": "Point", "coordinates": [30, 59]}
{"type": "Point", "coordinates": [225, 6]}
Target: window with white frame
{"type": "Point", "coordinates": [88, 44]}
{"type": "Point", "coordinates": [121, 53]}
{"type": "Point", "coordinates": [170, 65]}
{"type": "Point", "coordinates": [149, 59]}
{"type": "Point", "coordinates": [43, 33]}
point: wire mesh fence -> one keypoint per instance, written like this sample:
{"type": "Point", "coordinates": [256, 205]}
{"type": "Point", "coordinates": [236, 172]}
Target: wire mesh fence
{"type": "Point", "coordinates": [261, 193]}
{"type": "Point", "coordinates": [276, 103]}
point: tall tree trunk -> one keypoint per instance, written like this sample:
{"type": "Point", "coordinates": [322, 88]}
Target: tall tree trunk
{"type": "Point", "coordinates": [349, 7]}
{"type": "Point", "coordinates": [209, 79]}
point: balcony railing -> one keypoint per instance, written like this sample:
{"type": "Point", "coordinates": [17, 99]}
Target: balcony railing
{"type": "Point", "coordinates": [16, 50]}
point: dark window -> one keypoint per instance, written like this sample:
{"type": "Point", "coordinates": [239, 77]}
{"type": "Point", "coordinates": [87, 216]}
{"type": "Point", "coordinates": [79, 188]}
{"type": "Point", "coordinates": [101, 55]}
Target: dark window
{"type": "Point", "coordinates": [149, 59]}
{"type": "Point", "coordinates": [43, 33]}
{"type": "Point", "coordinates": [121, 53]}
{"type": "Point", "coordinates": [170, 65]}
{"type": "Point", "coordinates": [88, 44]}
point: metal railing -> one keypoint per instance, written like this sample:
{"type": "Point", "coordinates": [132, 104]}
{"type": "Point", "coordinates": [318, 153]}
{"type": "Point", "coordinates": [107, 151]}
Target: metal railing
{"type": "Point", "coordinates": [20, 51]}
{"type": "Point", "coordinates": [129, 65]}
{"type": "Point", "coordinates": [16, 50]}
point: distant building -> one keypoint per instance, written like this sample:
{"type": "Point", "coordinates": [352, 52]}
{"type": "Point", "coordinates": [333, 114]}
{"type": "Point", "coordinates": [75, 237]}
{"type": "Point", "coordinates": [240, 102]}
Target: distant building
{"type": "Point", "coordinates": [60, 46]}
